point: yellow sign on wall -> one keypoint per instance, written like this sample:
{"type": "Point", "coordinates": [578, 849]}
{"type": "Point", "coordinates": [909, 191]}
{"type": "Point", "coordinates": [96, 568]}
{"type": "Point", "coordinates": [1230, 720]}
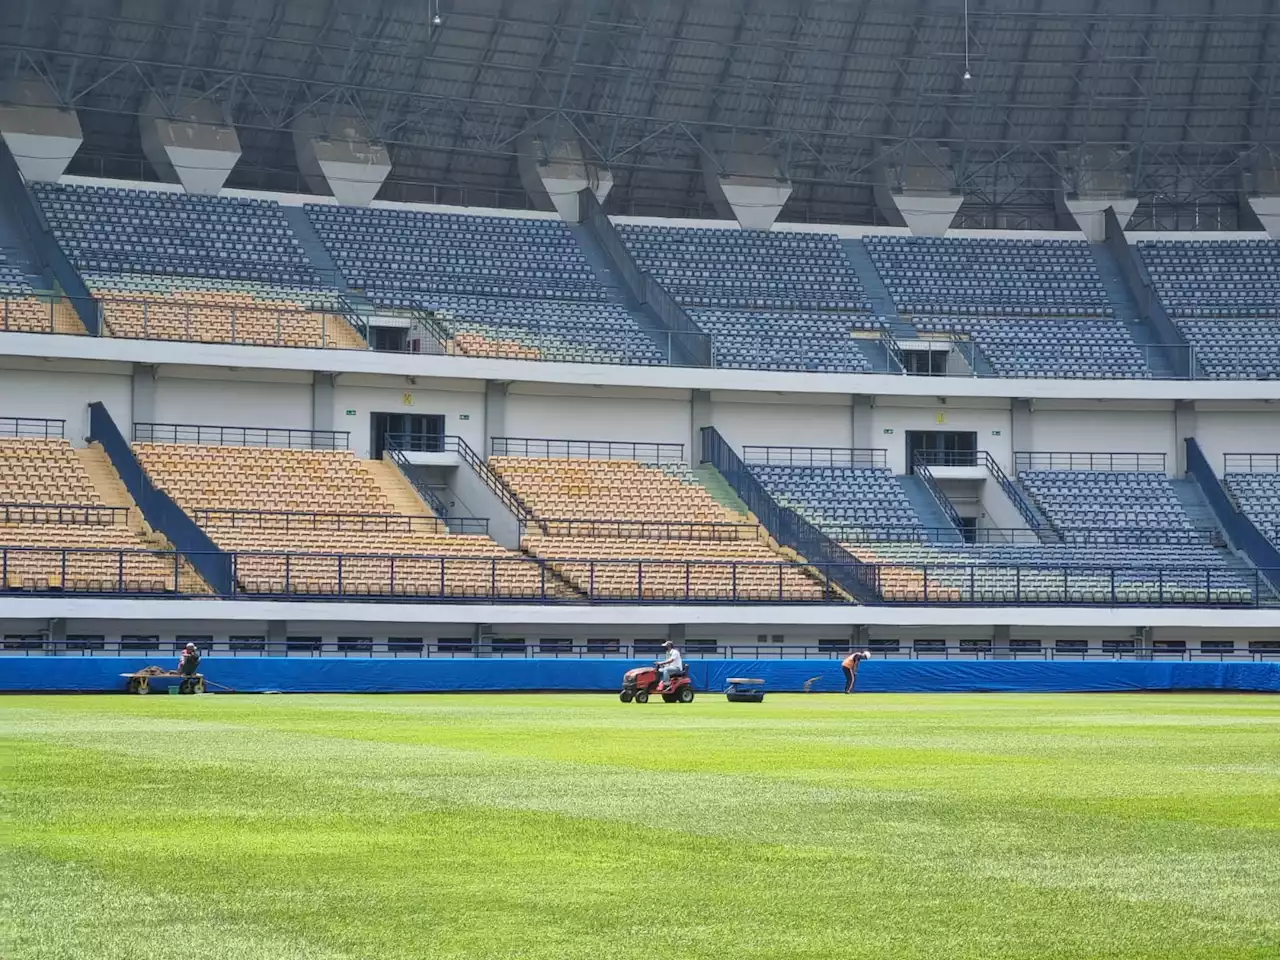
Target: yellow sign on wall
{"type": "Point", "coordinates": [408, 399]}
{"type": "Point", "coordinates": [940, 418]}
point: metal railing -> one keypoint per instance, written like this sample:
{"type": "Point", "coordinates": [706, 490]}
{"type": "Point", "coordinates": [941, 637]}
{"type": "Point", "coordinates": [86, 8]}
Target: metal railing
{"type": "Point", "coordinates": [38, 311]}
{"type": "Point", "coordinates": [944, 537]}
{"type": "Point", "coordinates": [292, 520]}
{"type": "Point", "coordinates": [498, 649]}
{"type": "Point", "coordinates": [587, 449]}
{"type": "Point", "coordinates": [224, 436]}
{"type": "Point", "coordinates": [207, 322]}
{"type": "Point", "coordinates": [921, 469]}
{"type": "Point", "coordinates": [71, 513]}
{"type": "Point", "coordinates": [815, 457]}
{"type": "Point", "coordinates": [569, 579]}
{"type": "Point", "coordinates": [1101, 462]}
{"type": "Point", "coordinates": [41, 428]}
{"type": "Point", "coordinates": [395, 445]}
{"type": "Point", "coordinates": [1251, 463]}
{"type": "Point", "coordinates": [398, 443]}
{"type": "Point", "coordinates": [1042, 527]}
{"type": "Point", "coordinates": [948, 458]}
{"type": "Point", "coordinates": [645, 529]}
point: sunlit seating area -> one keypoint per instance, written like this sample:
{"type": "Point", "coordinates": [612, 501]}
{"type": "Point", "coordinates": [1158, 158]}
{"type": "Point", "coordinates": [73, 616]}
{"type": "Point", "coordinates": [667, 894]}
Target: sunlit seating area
{"type": "Point", "coordinates": [596, 520]}
{"type": "Point", "coordinates": [56, 532]}
{"type": "Point", "coordinates": [327, 522]}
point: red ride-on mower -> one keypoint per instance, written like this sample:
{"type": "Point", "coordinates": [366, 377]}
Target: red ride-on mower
{"type": "Point", "coordinates": [637, 684]}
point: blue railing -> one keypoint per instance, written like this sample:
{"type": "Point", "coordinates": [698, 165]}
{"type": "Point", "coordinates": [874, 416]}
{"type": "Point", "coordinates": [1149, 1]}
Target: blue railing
{"type": "Point", "coordinates": [225, 436]}
{"type": "Point", "coordinates": [108, 571]}
{"type": "Point", "coordinates": [157, 506]}
{"type": "Point", "coordinates": [1043, 529]}
{"type": "Point", "coordinates": [785, 524]}
{"type": "Point", "coordinates": [1240, 530]}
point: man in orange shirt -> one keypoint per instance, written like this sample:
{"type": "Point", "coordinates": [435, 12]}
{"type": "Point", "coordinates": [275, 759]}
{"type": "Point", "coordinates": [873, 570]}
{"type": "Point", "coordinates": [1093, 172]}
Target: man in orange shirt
{"type": "Point", "coordinates": [850, 667]}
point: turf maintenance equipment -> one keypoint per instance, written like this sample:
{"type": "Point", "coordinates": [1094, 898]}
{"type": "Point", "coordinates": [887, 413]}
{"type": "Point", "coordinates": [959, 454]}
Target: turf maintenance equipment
{"type": "Point", "coordinates": [639, 683]}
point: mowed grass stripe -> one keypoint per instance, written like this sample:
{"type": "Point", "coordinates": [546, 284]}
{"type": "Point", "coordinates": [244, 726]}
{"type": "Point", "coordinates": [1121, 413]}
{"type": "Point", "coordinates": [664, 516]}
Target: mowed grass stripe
{"type": "Point", "coordinates": [411, 830]}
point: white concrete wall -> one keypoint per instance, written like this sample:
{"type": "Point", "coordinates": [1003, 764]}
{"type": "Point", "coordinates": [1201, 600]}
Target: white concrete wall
{"type": "Point", "coordinates": [64, 391]}
{"type": "Point", "coordinates": [1241, 429]}
{"type": "Point", "coordinates": [1100, 427]}
{"type": "Point", "coordinates": [599, 413]}
{"type": "Point", "coordinates": [368, 395]}
{"type": "Point", "coordinates": [235, 400]}
{"type": "Point", "coordinates": [774, 420]}
{"type": "Point", "coordinates": [991, 423]}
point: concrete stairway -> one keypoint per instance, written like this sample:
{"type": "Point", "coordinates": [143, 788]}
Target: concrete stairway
{"type": "Point", "coordinates": [113, 493]}
{"type": "Point", "coordinates": [881, 303]}
{"type": "Point", "coordinates": [719, 488]}
{"type": "Point", "coordinates": [606, 272]}
{"type": "Point", "coordinates": [931, 514]}
{"type": "Point", "coordinates": [1202, 516]}
{"type": "Point", "coordinates": [397, 489]}
{"type": "Point", "coordinates": [1126, 307]}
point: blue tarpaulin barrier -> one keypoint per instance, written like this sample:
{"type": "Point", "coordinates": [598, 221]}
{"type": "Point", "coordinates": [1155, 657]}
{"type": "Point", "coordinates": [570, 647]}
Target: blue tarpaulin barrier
{"type": "Point", "coordinates": [437, 675]}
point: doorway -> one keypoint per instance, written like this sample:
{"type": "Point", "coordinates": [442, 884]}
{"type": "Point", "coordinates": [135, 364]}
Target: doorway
{"type": "Point", "coordinates": [423, 432]}
{"type": "Point", "coordinates": [942, 448]}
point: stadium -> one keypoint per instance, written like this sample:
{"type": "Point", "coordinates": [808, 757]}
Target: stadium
{"type": "Point", "coordinates": [887, 391]}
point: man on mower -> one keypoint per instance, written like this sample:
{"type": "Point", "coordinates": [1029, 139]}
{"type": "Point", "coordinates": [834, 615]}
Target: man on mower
{"type": "Point", "coordinates": [673, 666]}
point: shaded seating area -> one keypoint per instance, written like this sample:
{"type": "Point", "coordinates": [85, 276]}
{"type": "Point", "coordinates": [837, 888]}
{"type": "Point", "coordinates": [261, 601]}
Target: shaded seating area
{"type": "Point", "coordinates": [506, 287]}
{"type": "Point", "coordinates": [843, 500]}
{"type": "Point", "coordinates": [1224, 295]}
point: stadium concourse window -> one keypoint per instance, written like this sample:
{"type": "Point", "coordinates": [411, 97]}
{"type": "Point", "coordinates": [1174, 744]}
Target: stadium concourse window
{"type": "Point", "coordinates": [303, 644]}
{"type": "Point", "coordinates": [508, 645]}
{"type": "Point", "coordinates": [975, 646]}
{"type": "Point", "coordinates": [398, 645]}
{"type": "Point", "coordinates": [701, 646]}
{"type": "Point", "coordinates": [764, 638]}
{"type": "Point", "coordinates": [458, 644]}
{"type": "Point", "coordinates": [1071, 646]}
{"type": "Point", "coordinates": [1169, 646]}
{"type": "Point", "coordinates": [248, 644]}
{"type": "Point", "coordinates": [930, 646]}
{"type": "Point", "coordinates": [884, 646]}
{"type": "Point", "coordinates": [835, 646]}
{"type": "Point", "coordinates": [131, 641]}
{"type": "Point", "coordinates": [203, 642]}
{"type": "Point", "coordinates": [1217, 646]}
{"type": "Point", "coordinates": [1119, 646]}
{"type": "Point", "coordinates": [1265, 647]}
{"type": "Point", "coordinates": [555, 645]}
{"type": "Point", "coordinates": [86, 641]}
{"type": "Point", "coordinates": [356, 645]}
{"type": "Point", "coordinates": [23, 641]}
{"type": "Point", "coordinates": [600, 645]}
{"type": "Point", "coordinates": [649, 648]}
{"type": "Point", "coordinates": [1024, 646]}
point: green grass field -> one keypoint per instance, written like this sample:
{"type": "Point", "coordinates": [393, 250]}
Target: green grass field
{"type": "Point", "coordinates": [329, 827]}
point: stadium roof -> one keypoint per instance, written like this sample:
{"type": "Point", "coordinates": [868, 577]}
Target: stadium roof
{"type": "Point", "coordinates": [1186, 86]}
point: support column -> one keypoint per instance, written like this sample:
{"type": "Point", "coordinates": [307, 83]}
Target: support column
{"type": "Point", "coordinates": [860, 412]}
{"type": "Point", "coordinates": [195, 145]}
{"type": "Point", "coordinates": [917, 188]}
{"type": "Point", "coordinates": [1020, 431]}
{"type": "Point", "coordinates": [1184, 426]}
{"type": "Point", "coordinates": [277, 638]}
{"type": "Point", "coordinates": [745, 180]}
{"type": "Point", "coordinates": [676, 634]}
{"type": "Point", "coordinates": [495, 413]}
{"type": "Point", "coordinates": [699, 417]}
{"type": "Point", "coordinates": [144, 393]}
{"type": "Point", "coordinates": [554, 172]}
{"type": "Point", "coordinates": [1094, 179]}
{"type": "Point", "coordinates": [1000, 639]}
{"type": "Point", "coordinates": [338, 155]}
{"type": "Point", "coordinates": [57, 637]}
{"type": "Point", "coordinates": [41, 135]}
{"type": "Point", "coordinates": [323, 390]}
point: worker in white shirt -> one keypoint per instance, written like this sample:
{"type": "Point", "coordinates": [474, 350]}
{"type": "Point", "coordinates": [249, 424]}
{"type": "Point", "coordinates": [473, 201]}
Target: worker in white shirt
{"type": "Point", "coordinates": [673, 666]}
